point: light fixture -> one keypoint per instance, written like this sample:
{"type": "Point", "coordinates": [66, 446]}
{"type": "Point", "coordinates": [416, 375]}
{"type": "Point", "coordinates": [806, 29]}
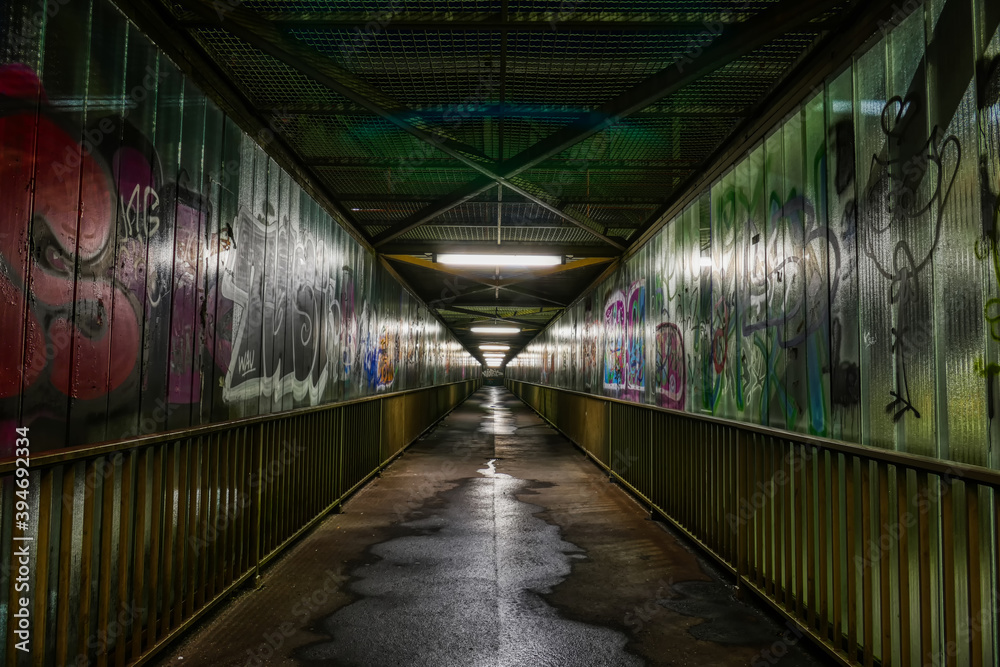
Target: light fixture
{"type": "Point", "coordinates": [502, 348]}
{"type": "Point", "coordinates": [496, 330]}
{"type": "Point", "coordinates": [706, 262]}
{"type": "Point", "coordinates": [500, 260]}
{"type": "Point", "coordinates": [494, 364]}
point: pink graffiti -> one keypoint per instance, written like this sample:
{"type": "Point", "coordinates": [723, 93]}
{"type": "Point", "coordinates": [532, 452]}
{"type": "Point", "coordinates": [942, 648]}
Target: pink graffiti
{"type": "Point", "coordinates": [671, 374]}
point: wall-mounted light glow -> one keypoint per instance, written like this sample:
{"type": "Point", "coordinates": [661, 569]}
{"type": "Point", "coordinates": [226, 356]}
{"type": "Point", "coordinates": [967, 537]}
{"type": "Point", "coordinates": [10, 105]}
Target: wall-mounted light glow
{"type": "Point", "coordinates": [502, 348]}
{"type": "Point", "coordinates": [496, 330]}
{"type": "Point", "coordinates": [500, 260]}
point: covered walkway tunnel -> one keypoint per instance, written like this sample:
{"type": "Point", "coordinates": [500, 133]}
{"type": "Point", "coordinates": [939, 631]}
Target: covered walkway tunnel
{"type": "Point", "coordinates": [499, 332]}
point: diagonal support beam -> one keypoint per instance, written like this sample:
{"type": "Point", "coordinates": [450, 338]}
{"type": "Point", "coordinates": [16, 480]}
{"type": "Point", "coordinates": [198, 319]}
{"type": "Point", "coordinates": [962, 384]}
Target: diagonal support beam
{"type": "Point", "coordinates": [513, 320]}
{"type": "Point", "coordinates": [503, 282]}
{"type": "Point", "coordinates": [249, 27]}
{"type": "Point", "coordinates": [548, 303]}
{"type": "Point", "coordinates": [245, 25]}
{"type": "Point", "coordinates": [487, 284]}
{"type": "Point", "coordinates": [554, 270]}
{"type": "Point", "coordinates": [734, 42]}
{"type": "Point", "coordinates": [441, 268]}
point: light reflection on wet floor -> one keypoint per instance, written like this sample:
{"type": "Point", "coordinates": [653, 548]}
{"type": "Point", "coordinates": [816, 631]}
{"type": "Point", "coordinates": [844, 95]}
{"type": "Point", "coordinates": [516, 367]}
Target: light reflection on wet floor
{"type": "Point", "coordinates": [465, 586]}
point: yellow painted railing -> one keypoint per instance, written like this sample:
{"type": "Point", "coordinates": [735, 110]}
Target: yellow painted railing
{"type": "Point", "coordinates": [880, 557]}
{"type": "Point", "coordinates": [136, 540]}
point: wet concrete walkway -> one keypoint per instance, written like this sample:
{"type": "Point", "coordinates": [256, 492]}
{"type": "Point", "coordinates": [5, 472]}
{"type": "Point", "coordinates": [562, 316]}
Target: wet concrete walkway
{"type": "Point", "coordinates": [492, 541]}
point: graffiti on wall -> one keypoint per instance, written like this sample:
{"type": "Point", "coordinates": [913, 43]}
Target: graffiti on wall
{"type": "Point", "coordinates": [909, 188]}
{"type": "Point", "coordinates": [269, 310]}
{"type": "Point", "coordinates": [635, 337]}
{"type": "Point", "coordinates": [614, 341]}
{"type": "Point", "coordinates": [131, 304]}
{"type": "Point", "coordinates": [671, 366]}
{"type": "Point", "coordinates": [836, 257]}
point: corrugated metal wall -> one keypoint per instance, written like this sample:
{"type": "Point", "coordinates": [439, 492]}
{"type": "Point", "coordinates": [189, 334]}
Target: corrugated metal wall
{"type": "Point", "coordinates": [159, 271]}
{"type": "Point", "coordinates": [843, 278]}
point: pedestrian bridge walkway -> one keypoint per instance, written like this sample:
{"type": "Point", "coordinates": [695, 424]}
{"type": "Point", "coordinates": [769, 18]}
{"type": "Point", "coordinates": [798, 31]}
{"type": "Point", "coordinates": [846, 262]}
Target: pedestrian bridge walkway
{"type": "Point", "coordinates": [492, 541]}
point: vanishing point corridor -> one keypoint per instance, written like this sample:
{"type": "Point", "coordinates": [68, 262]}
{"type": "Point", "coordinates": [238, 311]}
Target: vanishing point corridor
{"type": "Point", "coordinates": [492, 541]}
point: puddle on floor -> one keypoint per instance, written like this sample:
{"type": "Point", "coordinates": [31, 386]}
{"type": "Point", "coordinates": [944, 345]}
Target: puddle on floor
{"type": "Point", "coordinates": [465, 588]}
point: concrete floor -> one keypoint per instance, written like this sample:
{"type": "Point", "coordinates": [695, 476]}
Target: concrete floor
{"type": "Point", "coordinates": [492, 541]}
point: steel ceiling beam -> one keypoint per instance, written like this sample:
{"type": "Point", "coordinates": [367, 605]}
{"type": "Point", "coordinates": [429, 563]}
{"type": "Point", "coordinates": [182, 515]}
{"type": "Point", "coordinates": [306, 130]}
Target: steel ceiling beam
{"type": "Point", "coordinates": [507, 110]}
{"type": "Point", "coordinates": [638, 165]}
{"type": "Point", "coordinates": [523, 276]}
{"type": "Point", "coordinates": [472, 313]}
{"type": "Point", "coordinates": [398, 197]}
{"type": "Point", "coordinates": [542, 301]}
{"type": "Point", "coordinates": [246, 25]}
{"type": "Point", "coordinates": [431, 247]}
{"type": "Point", "coordinates": [488, 22]}
{"type": "Point", "coordinates": [487, 283]}
{"type": "Point", "coordinates": [548, 311]}
{"type": "Point", "coordinates": [734, 42]}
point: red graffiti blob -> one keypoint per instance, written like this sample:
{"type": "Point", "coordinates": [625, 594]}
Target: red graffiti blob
{"type": "Point", "coordinates": [67, 218]}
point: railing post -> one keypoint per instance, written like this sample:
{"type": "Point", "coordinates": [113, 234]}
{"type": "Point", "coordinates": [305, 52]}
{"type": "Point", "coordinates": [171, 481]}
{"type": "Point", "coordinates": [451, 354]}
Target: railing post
{"type": "Point", "coordinates": [260, 502]}
{"type": "Point", "coordinates": [741, 491]}
{"type": "Point", "coordinates": [381, 440]}
{"type": "Point", "coordinates": [340, 461]}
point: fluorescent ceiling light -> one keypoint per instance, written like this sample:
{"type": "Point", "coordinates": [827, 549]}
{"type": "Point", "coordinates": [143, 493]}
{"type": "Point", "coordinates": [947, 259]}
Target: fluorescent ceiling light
{"type": "Point", "coordinates": [496, 330]}
{"type": "Point", "coordinates": [502, 348]}
{"type": "Point", "coordinates": [500, 260]}
{"type": "Point", "coordinates": [494, 364]}
{"type": "Point", "coordinates": [706, 261]}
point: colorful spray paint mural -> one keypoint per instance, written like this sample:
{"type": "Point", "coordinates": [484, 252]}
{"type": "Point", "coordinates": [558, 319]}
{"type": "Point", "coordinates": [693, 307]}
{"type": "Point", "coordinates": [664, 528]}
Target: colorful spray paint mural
{"type": "Point", "coordinates": [842, 279]}
{"type": "Point", "coordinates": [160, 271]}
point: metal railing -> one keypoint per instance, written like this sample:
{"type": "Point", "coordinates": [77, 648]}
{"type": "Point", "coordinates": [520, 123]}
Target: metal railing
{"type": "Point", "coordinates": [136, 540]}
{"type": "Point", "coordinates": [880, 557]}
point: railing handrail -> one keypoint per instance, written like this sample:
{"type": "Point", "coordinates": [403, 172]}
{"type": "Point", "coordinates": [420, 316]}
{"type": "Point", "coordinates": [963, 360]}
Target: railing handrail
{"type": "Point", "coordinates": [64, 454]}
{"type": "Point", "coordinates": [948, 469]}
